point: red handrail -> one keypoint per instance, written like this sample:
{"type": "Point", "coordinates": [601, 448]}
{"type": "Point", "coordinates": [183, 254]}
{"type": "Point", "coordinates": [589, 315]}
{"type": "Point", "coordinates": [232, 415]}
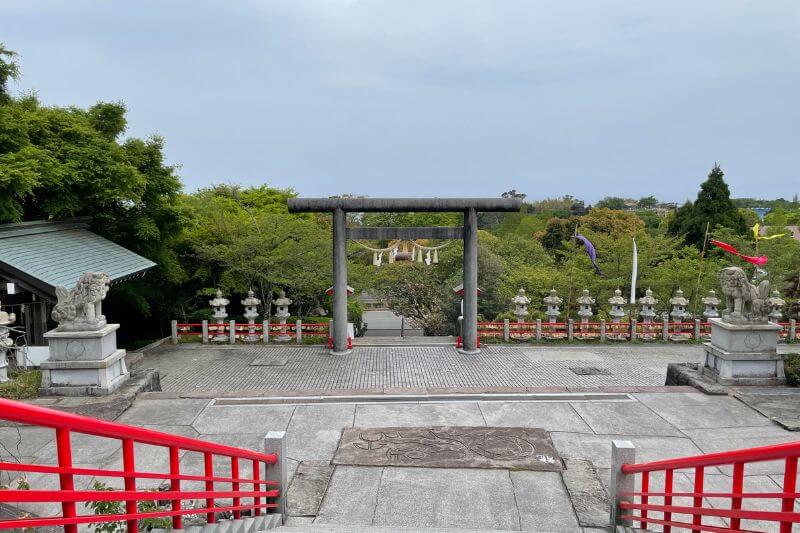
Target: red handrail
{"type": "Point", "coordinates": [738, 459]}
{"type": "Point", "coordinates": [65, 424]}
{"type": "Point", "coordinates": [746, 455]}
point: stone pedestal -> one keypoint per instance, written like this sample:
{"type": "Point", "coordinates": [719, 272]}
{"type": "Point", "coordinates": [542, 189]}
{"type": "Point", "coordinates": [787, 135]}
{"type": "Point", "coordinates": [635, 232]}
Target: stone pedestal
{"type": "Point", "coordinates": [83, 363]}
{"type": "Point", "coordinates": [743, 354]}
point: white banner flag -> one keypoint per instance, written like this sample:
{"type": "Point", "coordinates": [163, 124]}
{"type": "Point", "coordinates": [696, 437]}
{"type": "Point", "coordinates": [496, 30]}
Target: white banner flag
{"type": "Point", "coordinates": [634, 271]}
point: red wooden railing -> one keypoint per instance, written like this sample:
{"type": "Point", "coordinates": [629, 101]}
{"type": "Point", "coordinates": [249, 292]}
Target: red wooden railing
{"type": "Point", "coordinates": [555, 330]}
{"type": "Point", "coordinates": [516, 330]}
{"type": "Point", "coordinates": [585, 331]}
{"type": "Point", "coordinates": [492, 329]}
{"type": "Point", "coordinates": [683, 329]}
{"type": "Point", "coordinates": [783, 335]}
{"type": "Point", "coordinates": [618, 331]}
{"type": "Point", "coordinates": [66, 424]}
{"type": "Point", "coordinates": [243, 330]}
{"type": "Point", "coordinates": [646, 512]}
{"type": "Point", "coordinates": [677, 331]}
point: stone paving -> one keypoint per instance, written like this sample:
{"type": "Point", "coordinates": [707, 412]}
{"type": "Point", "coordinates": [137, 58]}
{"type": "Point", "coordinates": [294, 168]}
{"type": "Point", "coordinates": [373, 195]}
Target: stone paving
{"type": "Point", "coordinates": [191, 368]}
{"type": "Point", "coordinates": [661, 425]}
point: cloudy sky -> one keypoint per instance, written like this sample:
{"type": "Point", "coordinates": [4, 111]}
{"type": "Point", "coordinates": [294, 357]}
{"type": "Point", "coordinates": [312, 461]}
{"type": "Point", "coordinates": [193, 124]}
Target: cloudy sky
{"type": "Point", "coordinates": [437, 98]}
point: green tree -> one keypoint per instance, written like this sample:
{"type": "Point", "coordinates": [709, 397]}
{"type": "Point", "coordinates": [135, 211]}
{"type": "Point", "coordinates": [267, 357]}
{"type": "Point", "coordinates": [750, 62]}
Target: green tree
{"type": "Point", "coordinates": [243, 238]}
{"type": "Point", "coordinates": [556, 232]}
{"type": "Point", "coordinates": [612, 202]}
{"type": "Point", "coordinates": [750, 217]}
{"type": "Point", "coordinates": [9, 70]}
{"type": "Point", "coordinates": [647, 202]}
{"type": "Point", "coordinates": [713, 207]}
{"type": "Point", "coordinates": [59, 162]}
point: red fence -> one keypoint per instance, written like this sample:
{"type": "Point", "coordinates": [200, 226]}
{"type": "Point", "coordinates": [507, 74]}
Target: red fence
{"type": "Point", "coordinates": [242, 463]}
{"type": "Point", "coordinates": [492, 329]}
{"type": "Point", "coordinates": [784, 333]}
{"type": "Point", "coordinates": [244, 332]}
{"type": "Point", "coordinates": [650, 505]}
{"type": "Point", "coordinates": [676, 331]}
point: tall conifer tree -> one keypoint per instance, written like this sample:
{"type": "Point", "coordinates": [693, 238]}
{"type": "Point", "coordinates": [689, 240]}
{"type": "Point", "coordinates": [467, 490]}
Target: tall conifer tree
{"type": "Point", "coordinates": [713, 205]}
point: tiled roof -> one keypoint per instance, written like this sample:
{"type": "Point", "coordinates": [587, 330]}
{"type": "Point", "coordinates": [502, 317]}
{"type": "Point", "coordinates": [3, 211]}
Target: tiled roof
{"type": "Point", "coordinates": [42, 255]}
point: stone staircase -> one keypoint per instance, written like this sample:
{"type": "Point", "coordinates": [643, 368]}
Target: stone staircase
{"type": "Point", "coordinates": [326, 528]}
{"type": "Point", "coordinates": [254, 524]}
{"type": "Point", "coordinates": [273, 522]}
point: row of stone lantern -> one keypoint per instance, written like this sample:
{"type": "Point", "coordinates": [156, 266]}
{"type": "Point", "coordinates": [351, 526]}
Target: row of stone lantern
{"type": "Point", "coordinates": [251, 303]}
{"type": "Point", "coordinates": [647, 303]}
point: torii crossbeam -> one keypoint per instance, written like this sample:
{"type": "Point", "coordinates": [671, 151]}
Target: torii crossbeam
{"type": "Point", "coordinates": [339, 207]}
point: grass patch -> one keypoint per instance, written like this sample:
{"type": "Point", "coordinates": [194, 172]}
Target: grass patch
{"type": "Point", "coordinates": [792, 369]}
{"type": "Point", "coordinates": [22, 385]}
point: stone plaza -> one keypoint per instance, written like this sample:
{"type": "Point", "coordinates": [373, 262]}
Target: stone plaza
{"type": "Point", "coordinates": [661, 424]}
{"type": "Point", "coordinates": [410, 434]}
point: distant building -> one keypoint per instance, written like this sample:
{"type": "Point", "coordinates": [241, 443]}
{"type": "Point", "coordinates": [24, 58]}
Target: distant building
{"type": "Point", "coordinates": [578, 209]}
{"type": "Point", "coordinates": [794, 229]}
{"type": "Point", "coordinates": [761, 211]}
{"type": "Point", "coordinates": [631, 204]}
{"type": "Point", "coordinates": [36, 257]}
{"type": "Point", "coordinates": [666, 207]}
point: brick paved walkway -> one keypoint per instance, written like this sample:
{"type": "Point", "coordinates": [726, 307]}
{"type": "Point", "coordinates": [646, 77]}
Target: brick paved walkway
{"type": "Point", "coordinates": [192, 368]}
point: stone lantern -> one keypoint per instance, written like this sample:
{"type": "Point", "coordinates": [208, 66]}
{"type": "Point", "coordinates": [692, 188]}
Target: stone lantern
{"type": "Point", "coordinates": [552, 301]}
{"type": "Point", "coordinates": [776, 304]}
{"type": "Point", "coordinates": [617, 306]}
{"type": "Point", "coordinates": [521, 305]}
{"type": "Point", "coordinates": [251, 304]}
{"type": "Point", "coordinates": [648, 305]}
{"type": "Point", "coordinates": [712, 304]}
{"type": "Point", "coordinates": [585, 302]}
{"type": "Point", "coordinates": [679, 304]}
{"type": "Point", "coordinates": [282, 304]}
{"type": "Point", "coordinates": [218, 304]}
{"type": "Point", "coordinates": [648, 313]}
{"type": "Point", "coordinates": [6, 319]}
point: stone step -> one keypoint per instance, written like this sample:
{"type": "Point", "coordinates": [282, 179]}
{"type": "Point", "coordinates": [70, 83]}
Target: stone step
{"type": "Point", "coordinates": [254, 524]}
{"type": "Point", "coordinates": [330, 528]}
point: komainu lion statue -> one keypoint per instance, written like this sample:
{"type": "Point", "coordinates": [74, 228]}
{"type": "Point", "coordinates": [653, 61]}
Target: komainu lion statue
{"type": "Point", "coordinates": [745, 302]}
{"type": "Point", "coordinates": [80, 309]}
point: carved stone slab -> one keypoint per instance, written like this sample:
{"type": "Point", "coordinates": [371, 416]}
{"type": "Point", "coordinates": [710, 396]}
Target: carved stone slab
{"type": "Point", "coordinates": [449, 447]}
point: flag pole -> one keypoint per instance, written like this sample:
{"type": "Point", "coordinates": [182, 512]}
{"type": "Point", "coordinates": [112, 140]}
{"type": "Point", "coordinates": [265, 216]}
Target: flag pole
{"type": "Point", "coordinates": [571, 270]}
{"type": "Point", "coordinates": [703, 257]}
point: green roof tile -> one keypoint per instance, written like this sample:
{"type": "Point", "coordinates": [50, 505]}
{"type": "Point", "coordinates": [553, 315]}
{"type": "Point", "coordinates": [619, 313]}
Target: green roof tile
{"type": "Point", "coordinates": [55, 254]}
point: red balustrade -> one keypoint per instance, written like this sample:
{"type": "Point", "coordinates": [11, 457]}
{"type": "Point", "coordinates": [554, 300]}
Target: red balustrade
{"type": "Point", "coordinates": [618, 331]}
{"type": "Point", "coordinates": [190, 330]}
{"type": "Point", "coordinates": [248, 494]}
{"type": "Point", "coordinates": [244, 331]}
{"type": "Point", "coordinates": [783, 335]}
{"type": "Point", "coordinates": [490, 329]}
{"type": "Point", "coordinates": [652, 505]}
{"type": "Point", "coordinates": [523, 330]}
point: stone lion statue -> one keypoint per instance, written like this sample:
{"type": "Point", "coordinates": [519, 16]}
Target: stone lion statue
{"type": "Point", "coordinates": [80, 309]}
{"type": "Point", "coordinates": [745, 302]}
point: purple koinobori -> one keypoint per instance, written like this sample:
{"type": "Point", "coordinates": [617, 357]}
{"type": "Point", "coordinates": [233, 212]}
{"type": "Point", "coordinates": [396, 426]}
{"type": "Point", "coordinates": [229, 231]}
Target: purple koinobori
{"type": "Point", "coordinates": [590, 251]}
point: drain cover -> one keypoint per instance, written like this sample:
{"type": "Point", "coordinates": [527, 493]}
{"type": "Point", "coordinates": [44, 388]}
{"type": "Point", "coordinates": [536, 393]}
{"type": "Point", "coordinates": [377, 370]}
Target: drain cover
{"type": "Point", "coordinates": [590, 371]}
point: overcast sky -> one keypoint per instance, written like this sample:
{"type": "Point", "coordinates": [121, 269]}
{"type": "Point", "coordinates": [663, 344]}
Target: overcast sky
{"type": "Point", "coordinates": [437, 98]}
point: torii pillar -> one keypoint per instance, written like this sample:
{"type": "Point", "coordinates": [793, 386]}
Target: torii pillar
{"type": "Point", "coordinates": [339, 207]}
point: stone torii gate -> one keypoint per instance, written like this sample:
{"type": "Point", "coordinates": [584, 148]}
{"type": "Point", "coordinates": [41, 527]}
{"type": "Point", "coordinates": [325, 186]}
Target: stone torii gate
{"type": "Point", "coordinates": [469, 232]}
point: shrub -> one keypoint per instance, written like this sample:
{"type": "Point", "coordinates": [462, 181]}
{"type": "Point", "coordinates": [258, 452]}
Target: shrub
{"type": "Point", "coordinates": [792, 369]}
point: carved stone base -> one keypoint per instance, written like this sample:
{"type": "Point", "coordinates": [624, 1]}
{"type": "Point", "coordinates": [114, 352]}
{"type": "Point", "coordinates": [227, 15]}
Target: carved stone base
{"type": "Point", "coordinates": [82, 345]}
{"type": "Point", "coordinates": [743, 354]}
{"type": "Point", "coordinates": [84, 378]}
{"type": "Point", "coordinates": [83, 363]}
